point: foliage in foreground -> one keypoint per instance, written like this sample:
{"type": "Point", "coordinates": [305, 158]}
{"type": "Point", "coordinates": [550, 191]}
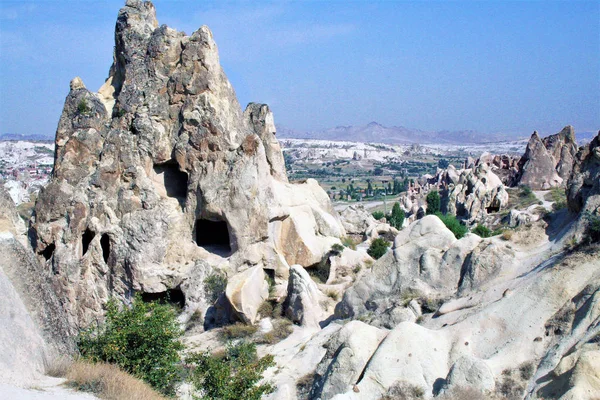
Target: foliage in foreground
{"type": "Point", "coordinates": [458, 229]}
{"type": "Point", "coordinates": [378, 215]}
{"type": "Point", "coordinates": [593, 227]}
{"type": "Point", "coordinates": [142, 340]}
{"type": "Point", "coordinates": [232, 376]}
{"type": "Point", "coordinates": [397, 218]}
{"type": "Point", "coordinates": [378, 248]}
{"type": "Point", "coordinates": [433, 202]}
{"type": "Point", "coordinates": [482, 231]}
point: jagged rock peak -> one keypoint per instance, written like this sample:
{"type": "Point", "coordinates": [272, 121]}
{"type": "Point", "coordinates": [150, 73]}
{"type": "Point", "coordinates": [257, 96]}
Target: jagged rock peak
{"type": "Point", "coordinates": [161, 171]}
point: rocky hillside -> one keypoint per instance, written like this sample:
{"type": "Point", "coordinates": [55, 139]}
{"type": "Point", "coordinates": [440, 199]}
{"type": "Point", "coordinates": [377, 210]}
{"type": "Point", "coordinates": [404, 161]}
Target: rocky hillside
{"type": "Point", "coordinates": [164, 188]}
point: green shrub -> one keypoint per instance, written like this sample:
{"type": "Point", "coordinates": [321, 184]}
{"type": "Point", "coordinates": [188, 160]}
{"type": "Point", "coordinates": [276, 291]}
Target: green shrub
{"type": "Point", "coordinates": [232, 376]}
{"type": "Point", "coordinates": [482, 231]}
{"type": "Point", "coordinates": [83, 107]}
{"type": "Point", "coordinates": [143, 340]}
{"type": "Point", "coordinates": [214, 285]}
{"type": "Point", "coordinates": [397, 218]}
{"type": "Point", "coordinates": [433, 202]}
{"type": "Point", "coordinates": [378, 248]}
{"type": "Point", "coordinates": [593, 227]}
{"type": "Point", "coordinates": [455, 226]}
{"type": "Point", "coordinates": [337, 249]}
{"type": "Point", "coordinates": [378, 215]}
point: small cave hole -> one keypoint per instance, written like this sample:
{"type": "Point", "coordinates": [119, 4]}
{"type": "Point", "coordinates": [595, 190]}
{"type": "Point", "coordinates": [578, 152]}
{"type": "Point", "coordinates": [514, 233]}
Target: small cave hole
{"type": "Point", "coordinates": [48, 251]}
{"type": "Point", "coordinates": [86, 239]}
{"type": "Point", "coordinates": [105, 244]}
{"type": "Point", "coordinates": [213, 236]}
{"type": "Point", "coordinates": [175, 181]}
{"type": "Point", "coordinates": [492, 209]}
{"type": "Point", "coordinates": [171, 296]}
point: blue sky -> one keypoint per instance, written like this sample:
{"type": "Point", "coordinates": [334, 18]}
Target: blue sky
{"type": "Point", "coordinates": [490, 66]}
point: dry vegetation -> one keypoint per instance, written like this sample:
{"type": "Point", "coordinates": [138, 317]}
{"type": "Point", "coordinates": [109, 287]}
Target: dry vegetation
{"type": "Point", "coordinates": [109, 382]}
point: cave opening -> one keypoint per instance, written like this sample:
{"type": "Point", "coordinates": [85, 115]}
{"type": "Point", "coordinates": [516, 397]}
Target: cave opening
{"type": "Point", "coordinates": [170, 296]}
{"type": "Point", "coordinates": [492, 209]}
{"type": "Point", "coordinates": [213, 236]}
{"type": "Point", "coordinates": [105, 244]}
{"type": "Point", "coordinates": [86, 239]}
{"type": "Point", "coordinates": [175, 180]}
{"type": "Point", "coordinates": [48, 251]}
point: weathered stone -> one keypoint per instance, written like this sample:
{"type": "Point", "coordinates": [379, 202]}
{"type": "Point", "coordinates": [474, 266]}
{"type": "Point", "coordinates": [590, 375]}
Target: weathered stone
{"type": "Point", "coordinates": [303, 302]}
{"type": "Point", "coordinates": [246, 291]}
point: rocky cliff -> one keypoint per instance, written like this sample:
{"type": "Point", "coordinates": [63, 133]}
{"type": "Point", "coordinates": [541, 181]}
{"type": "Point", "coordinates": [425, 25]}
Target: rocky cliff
{"type": "Point", "coordinates": [160, 178]}
{"type": "Point", "coordinates": [548, 162]}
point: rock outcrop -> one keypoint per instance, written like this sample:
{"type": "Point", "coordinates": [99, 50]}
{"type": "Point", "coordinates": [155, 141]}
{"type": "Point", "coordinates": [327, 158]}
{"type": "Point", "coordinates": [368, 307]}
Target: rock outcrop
{"type": "Point", "coordinates": [161, 169]}
{"type": "Point", "coordinates": [474, 193]}
{"type": "Point", "coordinates": [583, 190]}
{"type": "Point", "coordinates": [427, 260]}
{"type": "Point", "coordinates": [35, 330]}
{"type": "Point", "coordinates": [548, 162]}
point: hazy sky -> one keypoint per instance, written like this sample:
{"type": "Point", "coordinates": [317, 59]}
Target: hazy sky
{"type": "Point", "coordinates": [491, 66]}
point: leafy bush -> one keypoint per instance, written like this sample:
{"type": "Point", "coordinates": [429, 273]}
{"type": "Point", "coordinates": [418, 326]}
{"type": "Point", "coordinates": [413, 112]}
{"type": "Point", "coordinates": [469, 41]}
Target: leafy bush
{"type": "Point", "coordinates": [83, 107]}
{"type": "Point", "coordinates": [232, 376]}
{"type": "Point", "coordinates": [482, 231]}
{"type": "Point", "coordinates": [458, 229]}
{"type": "Point", "coordinates": [337, 248]}
{"type": "Point", "coordinates": [397, 218]}
{"type": "Point", "coordinates": [143, 340]}
{"type": "Point", "coordinates": [593, 227]}
{"type": "Point", "coordinates": [214, 285]}
{"type": "Point", "coordinates": [433, 202]}
{"type": "Point", "coordinates": [378, 248]}
{"type": "Point", "coordinates": [378, 215]}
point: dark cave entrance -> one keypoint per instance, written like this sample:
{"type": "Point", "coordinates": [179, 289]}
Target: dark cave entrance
{"type": "Point", "coordinates": [86, 239]}
{"type": "Point", "coordinates": [48, 251]}
{"type": "Point", "coordinates": [213, 236]}
{"type": "Point", "coordinates": [171, 296]}
{"type": "Point", "coordinates": [175, 180]}
{"type": "Point", "coordinates": [105, 244]}
{"type": "Point", "coordinates": [492, 209]}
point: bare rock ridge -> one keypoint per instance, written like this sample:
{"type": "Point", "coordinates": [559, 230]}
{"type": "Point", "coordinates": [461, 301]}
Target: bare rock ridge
{"type": "Point", "coordinates": [548, 162]}
{"type": "Point", "coordinates": [161, 173]}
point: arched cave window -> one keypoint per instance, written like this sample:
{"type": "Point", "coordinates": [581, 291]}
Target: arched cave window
{"type": "Point", "coordinates": [174, 179]}
{"type": "Point", "coordinates": [86, 239]}
{"type": "Point", "coordinates": [105, 244]}
{"type": "Point", "coordinates": [171, 296]}
{"type": "Point", "coordinates": [213, 236]}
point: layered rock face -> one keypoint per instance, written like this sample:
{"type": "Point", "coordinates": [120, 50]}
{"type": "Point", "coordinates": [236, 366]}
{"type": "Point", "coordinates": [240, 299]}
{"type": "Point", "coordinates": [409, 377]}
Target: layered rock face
{"type": "Point", "coordinates": [160, 170]}
{"type": "Point", "coordinates": [34, 329]}
{"type": "Point", "coordinates": [548, 162]}
{"type": "Point", "coordinates": [583, 190]}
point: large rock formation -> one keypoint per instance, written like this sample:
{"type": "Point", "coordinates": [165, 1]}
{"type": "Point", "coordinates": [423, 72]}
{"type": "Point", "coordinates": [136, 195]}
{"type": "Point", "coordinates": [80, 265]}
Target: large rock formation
{"type": "Point", "coordinates": [583, 190]}
{"type": "Point", "coordinates": [161, 169]}
{"type": "Point", "coordinates": [548, 162]}
{"type": "Point", "coordinates": [34, 329]}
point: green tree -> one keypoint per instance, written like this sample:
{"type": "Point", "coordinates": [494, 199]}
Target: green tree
{"type": "Point", "coordinates": [397, 217]}
{"type": "Point", "coordinates": [369, 188]}
{"type": "Point", "coordinates": [142, 339]}
{"type": "Point", "coordinates": [232, 376]}
{"type": "Point", "coordinates": [482, 231]}
{"type": "Point", "coordinates": [443, 163]}
{"type": "Point", "coordinates": [433, 202]}
{"type": "Point", "coordinates": [378, 248]}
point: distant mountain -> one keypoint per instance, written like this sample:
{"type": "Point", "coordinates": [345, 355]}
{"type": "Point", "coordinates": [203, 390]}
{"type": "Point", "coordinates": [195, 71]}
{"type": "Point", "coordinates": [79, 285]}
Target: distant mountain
{"type": "Point", "coordinates": [374, 132]}
{"type": "Point", "coordinates": [35, 137]}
